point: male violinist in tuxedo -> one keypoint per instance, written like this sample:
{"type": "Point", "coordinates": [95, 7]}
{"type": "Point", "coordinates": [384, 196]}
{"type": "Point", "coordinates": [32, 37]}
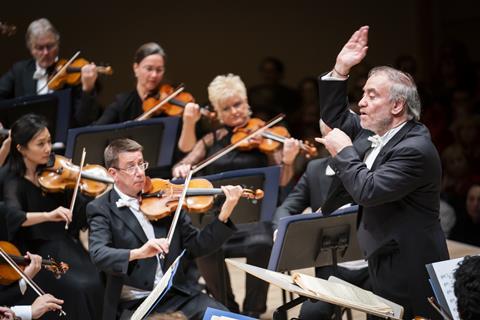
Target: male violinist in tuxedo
{"type": "Point", "coordinates": [388, 164]}
{"type": "Point", "coordinates": [30, 77]}
{"type": "Point", "coordinates": [125, 245]}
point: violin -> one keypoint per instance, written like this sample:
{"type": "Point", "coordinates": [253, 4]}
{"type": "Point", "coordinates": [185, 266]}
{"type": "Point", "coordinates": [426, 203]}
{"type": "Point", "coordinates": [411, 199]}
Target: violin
{"type": "Point", "coordinates": [270, 139]}
{"type": "Point", "coordinates": [7, 29]}
{"type": "Point", "coordinates": [8, 275]}
{"type": "Point", "coordinates": [161, 197]}
{"type": "Point", "coordinates": [60, 174]}
{"type": "Point", "coordinates": [71, 75]}
{"type": "Point", "coordinates": [174, 107]}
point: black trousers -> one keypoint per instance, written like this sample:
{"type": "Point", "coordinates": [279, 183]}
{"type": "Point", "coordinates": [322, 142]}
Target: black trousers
{"type": "Point", "coordinates": [256, 245]}
{"type": "Point", "coordinates": [402, 279]}
{"type": "Point", "coordinates": [193, 306]}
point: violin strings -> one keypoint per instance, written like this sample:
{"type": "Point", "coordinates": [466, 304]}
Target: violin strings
{"type": "Point", "coordinates": [221, 153]}
{"type": "Point", "coordinates": [15, 267]}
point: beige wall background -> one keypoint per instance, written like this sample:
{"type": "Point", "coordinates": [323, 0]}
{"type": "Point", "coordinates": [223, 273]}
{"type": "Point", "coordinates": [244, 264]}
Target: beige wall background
{"type": "Point", "coordinates": [206, 38]}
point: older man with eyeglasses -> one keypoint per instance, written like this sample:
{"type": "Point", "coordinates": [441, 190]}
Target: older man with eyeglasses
{"type": "Point", "coordinates": [125, 244]}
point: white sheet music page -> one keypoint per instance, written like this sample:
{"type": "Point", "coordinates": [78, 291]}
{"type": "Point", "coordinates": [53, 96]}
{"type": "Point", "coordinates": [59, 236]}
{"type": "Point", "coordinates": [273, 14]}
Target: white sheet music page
{"type": "Point", "coordinates": [444, 271]}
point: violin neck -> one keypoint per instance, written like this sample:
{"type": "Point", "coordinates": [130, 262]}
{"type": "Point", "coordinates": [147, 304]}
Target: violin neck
{"type": "Point", "coordinates": [100, 69]}
{"type": "Point", "coordinates": [276, 137]}
{"type": "Point", "coordinates": [204, 192]}
{"type": "Point", "coordinates": [273, 136]}
{"type": "Point", "coordinates": [25, 261]}
{"type": "Point", "coordinates": [97, 178]}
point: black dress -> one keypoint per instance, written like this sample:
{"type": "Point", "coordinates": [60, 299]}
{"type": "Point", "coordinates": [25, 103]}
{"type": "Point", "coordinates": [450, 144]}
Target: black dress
{"type": "Point", "coordinates": [81, 287]}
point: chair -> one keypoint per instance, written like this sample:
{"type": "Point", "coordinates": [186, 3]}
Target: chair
{"type": "Point", "coordinates": [157, 136]}
{"type": "Point", "coordinates": [266, 178]}
{"type": "Point", "coordinates": [247, 216]}
{"type": "Point", "coordinates": [55, 107]}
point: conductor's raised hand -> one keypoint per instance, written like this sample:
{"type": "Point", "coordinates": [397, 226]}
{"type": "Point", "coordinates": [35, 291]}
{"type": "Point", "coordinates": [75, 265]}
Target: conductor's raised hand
{"type": "Point", "coordinates": [352, 52]}
{"type": "Point", "coordinates": [335, 141]}
{"type": "Point", "coordinates": [150, 249]}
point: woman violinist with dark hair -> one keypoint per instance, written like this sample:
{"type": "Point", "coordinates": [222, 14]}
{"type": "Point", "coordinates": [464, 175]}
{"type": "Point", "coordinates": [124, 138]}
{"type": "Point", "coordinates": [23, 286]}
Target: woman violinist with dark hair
{"type": "Point", "coordinates": [43, 228]}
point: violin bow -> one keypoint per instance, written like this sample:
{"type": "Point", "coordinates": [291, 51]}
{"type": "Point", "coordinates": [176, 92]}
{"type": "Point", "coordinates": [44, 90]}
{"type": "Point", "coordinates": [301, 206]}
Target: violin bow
{"type": "Point", "coordinates": [224, 151]}
{"type": "Point", "coordinates": [22, 274]}
{"type": "Point", "coordinates": [75, 190]}
{"type": "Point", "coordinates": [178, 210]}
{"type": "Point", "coordinates": [148, 114]}
{"type": "Point", "coordinates": [62, 69]}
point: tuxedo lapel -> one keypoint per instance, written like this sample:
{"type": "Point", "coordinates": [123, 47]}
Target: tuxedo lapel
{"type": "Point", "coordinates": [392, 142]}
{"type": "Point", "coordinates": [127, 217]}
{"type": "Point", "coordinates": [29, 83]}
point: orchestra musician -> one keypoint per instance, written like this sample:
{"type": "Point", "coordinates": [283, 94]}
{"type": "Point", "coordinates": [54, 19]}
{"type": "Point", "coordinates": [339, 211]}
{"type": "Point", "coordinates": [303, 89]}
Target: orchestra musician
{"type": "Point", "coordinates": [41, 227]}
{"type": "Point", "coordinates": [12, 294]}
{"type": "Point", "coordinates": [149, 69]}
{"type": "Point", "coordinates": [228, 96]}
{"type": "Point", "coordinates": [386, 161]}
{"type": "Point", "coordinates": [125, 245]}
{"type": "Point", "coordinates": [30, 77]}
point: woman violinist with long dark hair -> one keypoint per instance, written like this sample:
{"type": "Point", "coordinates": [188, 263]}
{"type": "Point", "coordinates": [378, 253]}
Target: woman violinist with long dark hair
{"type": "Point", "coordinates": [43, 229]}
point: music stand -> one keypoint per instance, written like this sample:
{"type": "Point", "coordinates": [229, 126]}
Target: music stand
{"type": "Point", "coordinates": [157, 136]}
{"type": "Point", "coordinates": [55, 107]}
{"type": "Point", "coordinates": [332, 239]}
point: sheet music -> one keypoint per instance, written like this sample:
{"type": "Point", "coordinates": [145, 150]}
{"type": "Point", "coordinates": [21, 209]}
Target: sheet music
{"type": "Point", "coordinates": [157, 293]}
{"type": "Point", "coordinates": [444, 271]}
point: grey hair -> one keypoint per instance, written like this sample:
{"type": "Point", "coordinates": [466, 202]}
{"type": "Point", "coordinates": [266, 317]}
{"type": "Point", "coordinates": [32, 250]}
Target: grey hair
{"type": "Point", "coordinates": [225, 86]}
{"type": "Point", "coordinates": [403, 89]}
{"type": "Point", "coordinates": [38, 28]}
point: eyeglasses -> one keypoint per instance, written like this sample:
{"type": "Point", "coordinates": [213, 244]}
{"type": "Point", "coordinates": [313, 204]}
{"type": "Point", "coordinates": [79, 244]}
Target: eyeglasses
{"type": "Point", "coordinates": [48, 47]}
{"type": "Point", "coordinates": [131, 169]}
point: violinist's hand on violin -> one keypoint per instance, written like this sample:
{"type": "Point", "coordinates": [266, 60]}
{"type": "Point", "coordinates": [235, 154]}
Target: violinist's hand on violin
{"type": "Point", "coordinates": [150, 249]}
{"type": "Point", "coordinates": [291, 147]}
{"type": "Point", "coordinates": [181, 171]}
{"type": "Point", "coordinates": [45, 303]}
{"type": "Point", "coordinates": [335, 141]}
{"type": "Point", "coordinates": [89, 76]}
{"type": "Point", "coordinates": [191, 114]}
{"type": "Point", "coordinates": [60, 214]}
{"type": "Point", "coordinates": [6, 314]}
{"type": "Point", "coordinates": [232, 195]}
{"type": "Point", "coordinates": [34, 266]}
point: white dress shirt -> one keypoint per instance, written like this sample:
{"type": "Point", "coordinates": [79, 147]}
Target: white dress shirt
{"type": "Point", "coordinates": [23, 312]}
{"type": "Point", "coordinates": [41, 76]}
{"type": "Point", "coordinates": [128, 292]}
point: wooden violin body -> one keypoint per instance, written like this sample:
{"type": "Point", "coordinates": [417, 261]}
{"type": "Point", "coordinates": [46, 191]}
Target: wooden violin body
{"type": "Point", "coordinates": [62, 174]}
{"type": "Point", "coordinates": [8, 275]}
{"type": "Point", "coordinates": [72, 74]}
{"type": "Point", "coordinates": [174, 107]}
{"type": "Point", "coordinates": [161, 197]}
{"type": "Point", "coordinates": [270, 140]}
